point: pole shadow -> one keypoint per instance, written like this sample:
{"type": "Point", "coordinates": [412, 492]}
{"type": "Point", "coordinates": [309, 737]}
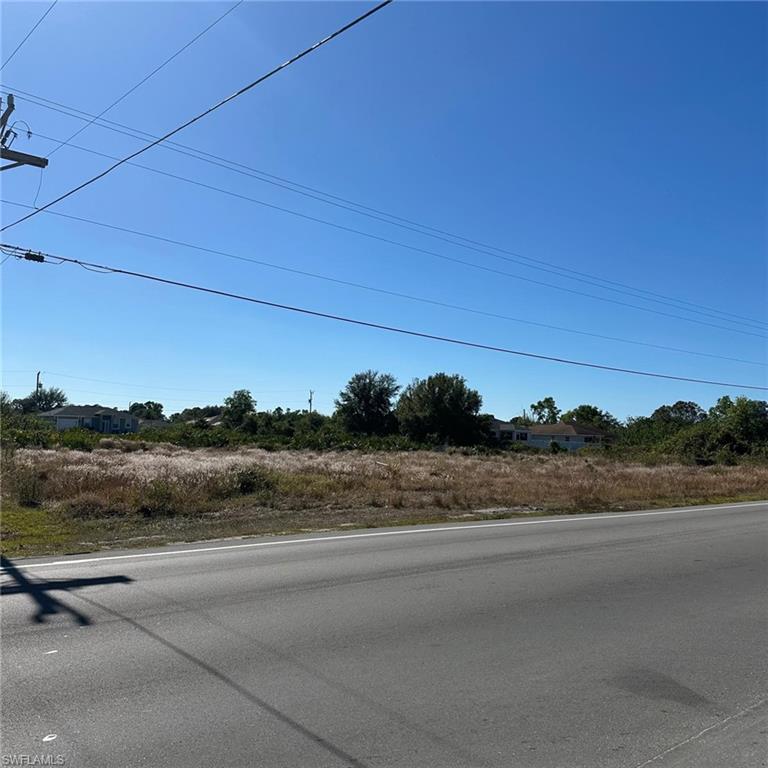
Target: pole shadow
{"type": "Point", "coordinates": [39, 591]}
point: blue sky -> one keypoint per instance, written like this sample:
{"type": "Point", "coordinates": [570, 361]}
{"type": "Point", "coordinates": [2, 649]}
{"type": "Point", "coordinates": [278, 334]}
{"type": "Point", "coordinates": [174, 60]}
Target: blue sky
{"type": "Point", "coordinates": [626, 141]}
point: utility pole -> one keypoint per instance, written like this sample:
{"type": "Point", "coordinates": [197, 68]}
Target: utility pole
{"type": "Point", "coordinates": [311, 395]}
{"type": "Point", "coordinates": [7, 135]}
{"type": "Point", "coordinates": [37, 390]}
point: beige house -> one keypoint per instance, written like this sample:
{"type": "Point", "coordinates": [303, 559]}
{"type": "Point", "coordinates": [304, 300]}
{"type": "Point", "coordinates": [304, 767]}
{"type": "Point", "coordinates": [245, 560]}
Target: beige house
{"type": "Point", "coordinates": [96, 417]}
{"type": "Point", "coordinates": [569, 436]}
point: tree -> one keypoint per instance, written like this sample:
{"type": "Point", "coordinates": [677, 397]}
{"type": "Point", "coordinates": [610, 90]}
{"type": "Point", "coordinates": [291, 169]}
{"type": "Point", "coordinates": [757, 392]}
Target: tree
{"type": "Point", "coordinates": [148, 410]}
{"type": "Point", "coordinates": [45, 399]}
{"type": "Point", "coordinates": [721, 408]}
{"type": "Point", "coordinates": [441, 408]}
{"type": "Point", "coordinates": [682, 412]}
{"type": "Point", "coordinates": [197, 413]}
{"type": "Point", "coordinates": [592, 415]}
{"type": "Point", "coordinates": [546, 411]}
{"type": "Point", "coordinates": [237, 407]}
{"type": "Point", "coordinates": [365, 404]}
{"type": "Point", "coordinates": [747, 420]}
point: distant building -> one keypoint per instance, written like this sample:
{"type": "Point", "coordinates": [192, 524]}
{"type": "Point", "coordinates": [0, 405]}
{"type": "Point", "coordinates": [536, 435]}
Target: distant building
{"type": "Point", "coordinates": [96, 417]}
{"type": "Point", "coordinates": [504, 430]}
{"type": "Point", "coordinates": [569, 436]}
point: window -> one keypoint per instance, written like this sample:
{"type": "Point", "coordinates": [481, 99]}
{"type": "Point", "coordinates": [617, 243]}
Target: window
{"type": "Point", "coordinates": [567, 438]}
{"type": "Point", "coordinates": [521, 436]}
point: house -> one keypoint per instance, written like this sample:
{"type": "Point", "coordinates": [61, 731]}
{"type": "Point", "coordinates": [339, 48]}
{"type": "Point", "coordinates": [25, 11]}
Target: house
{"type": "Point", "coordinates": [569, 436]}
{"type": "Point", "coordinates": [96, 417]}
{"type": "Point", "coordinates": [503, 430]}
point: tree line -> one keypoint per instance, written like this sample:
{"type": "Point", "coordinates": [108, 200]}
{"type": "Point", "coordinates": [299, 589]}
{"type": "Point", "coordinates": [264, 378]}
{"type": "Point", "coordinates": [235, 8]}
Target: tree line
{"type": "Point", "coordinates": [442, 409]}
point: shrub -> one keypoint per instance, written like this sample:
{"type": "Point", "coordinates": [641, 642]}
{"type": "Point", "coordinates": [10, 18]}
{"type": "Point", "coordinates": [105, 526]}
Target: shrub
{"type": "Point", "coordinates": [79, 439]}
{"type": "Point", "coordinates": [250, 480]}
{"type": "Point", "coordinates": [159, 498]}
{"type": "Point", "coordinates": [125, 446]}
{"type": "Point", "coordinates": [27, 484]}
{"type": "Point", "coordinates": [89, 505]}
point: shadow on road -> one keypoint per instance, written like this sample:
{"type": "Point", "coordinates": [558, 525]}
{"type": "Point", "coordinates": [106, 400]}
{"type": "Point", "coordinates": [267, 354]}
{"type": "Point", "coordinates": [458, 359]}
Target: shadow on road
{"type": "Point", "coordinates": [349, 760]}
{"type": "Point", "coordinates": [39, 591]}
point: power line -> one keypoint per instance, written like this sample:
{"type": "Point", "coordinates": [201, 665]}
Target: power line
{"type": "Point", "coordinates": [435, 254]}
{"type": "Point", "coordinates": [29, 34]}
{"type": "Point", "coordinates": [147, 77]}
{"type": "Point", "coordinates": [383, 216]}
{"type": "Point", "coordinates": [28, 255]}
{"type": "Point", "coordinates": [203, 114]}
{"type": "Point", "coordinates": [408, 246]}
{"type": "Point", "coordinates": [386, 292]}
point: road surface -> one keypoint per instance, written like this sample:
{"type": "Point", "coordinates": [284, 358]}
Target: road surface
{"type": "Point", "coordinates": [626, 640]}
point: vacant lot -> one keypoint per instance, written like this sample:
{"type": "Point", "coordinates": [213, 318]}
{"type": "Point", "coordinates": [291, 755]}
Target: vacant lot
{"type": "Point", "coordinates": [64, 500]}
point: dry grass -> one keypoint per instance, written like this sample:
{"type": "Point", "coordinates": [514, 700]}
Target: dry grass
{"type": "Point", "coordinates": [109, 496]}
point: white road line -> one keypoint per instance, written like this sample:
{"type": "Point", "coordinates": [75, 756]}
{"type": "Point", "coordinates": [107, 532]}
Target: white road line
{"type": "Point", "coordinates": [404, 532]}
{"type": "Point", "coordinates": [719, 724]}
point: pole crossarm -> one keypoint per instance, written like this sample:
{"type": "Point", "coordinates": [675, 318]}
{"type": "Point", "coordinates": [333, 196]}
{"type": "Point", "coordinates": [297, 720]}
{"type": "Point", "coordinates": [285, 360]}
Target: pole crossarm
{"type": "Point", "coordinates": [21, 158]}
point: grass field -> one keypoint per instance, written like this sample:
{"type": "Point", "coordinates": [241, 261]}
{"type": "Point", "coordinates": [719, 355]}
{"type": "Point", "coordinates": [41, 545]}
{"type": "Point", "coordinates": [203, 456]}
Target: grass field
{"type": "Point", "coordinates": [72, 501]}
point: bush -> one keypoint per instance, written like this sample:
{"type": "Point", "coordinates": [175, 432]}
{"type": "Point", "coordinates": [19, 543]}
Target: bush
{"type": "Point", "coordinates": [25, 431]}
{"type": "Point", "coordinates": [124, 446]}
{"type": "Point", "coordinates": [253, 480]}
{"type": "Point", "coordinates": [160, 498]}
{"type": "Point", "coordinates": [26, 484]}
{"type": "Point", "coordinates": [79, 439]}
{"type": "Point", "coordinates": [89, 505]}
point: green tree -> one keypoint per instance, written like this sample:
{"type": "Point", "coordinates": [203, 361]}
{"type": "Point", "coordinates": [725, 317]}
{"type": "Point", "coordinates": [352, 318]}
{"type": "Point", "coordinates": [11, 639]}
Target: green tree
{"type": "Point", "coordinates": [682, 412]}
{"type": "Point", "coordinates": [441, 408]}
{"type": "Point", "coordinates": [45, 399]}
{"type": "Point", "coordinates": [545, 411]}
{"type": "Point", "coordinates": [747, 420]}
{"type": "Point", "coordinates": [237, 408]}
{"type": "Point", "coordinates": [592, 415]}
{"type": "Point", "coordinates": [365, 404]}
{"type": "Point", "coordinates": [721, 408]}
{"type": "Point", "coordinates": [148, 410]}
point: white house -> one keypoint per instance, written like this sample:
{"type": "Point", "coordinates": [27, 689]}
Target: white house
{"type": "Point", "coordinates": [569, 436]}
{"type": "Point", "coordinates": [96, 417]}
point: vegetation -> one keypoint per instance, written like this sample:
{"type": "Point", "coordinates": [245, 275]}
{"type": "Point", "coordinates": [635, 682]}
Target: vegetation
{"type": "Point", "coordinates": [545, 411]}
{"type": "Point", "coordinates": [594, 417]}
{"type": "Point", "coordinates": [364, 406]}
{"type": "Point", "coordinates": [441, 410]}
{"type": "Point", "coordinates": [149, 410]}
{"type": "Point", "coordinates": [134, 493]}
{"type": "Point", "coordinates": [44, 399]}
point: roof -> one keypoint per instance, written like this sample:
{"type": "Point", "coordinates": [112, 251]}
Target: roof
{"type": "Point", "coordinates": [564, 428]}
{"type": "Point", "coordinates": [85, 411]}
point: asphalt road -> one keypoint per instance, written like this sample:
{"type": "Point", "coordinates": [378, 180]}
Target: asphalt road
{"type": "Point", "coordinates": [623, 640]}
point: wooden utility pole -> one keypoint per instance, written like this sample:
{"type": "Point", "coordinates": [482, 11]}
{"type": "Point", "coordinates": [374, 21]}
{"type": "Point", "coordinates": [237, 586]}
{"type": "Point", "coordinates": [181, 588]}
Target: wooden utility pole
{"type": "Point", "coordinates": [37, 391]}
{"type": "Point", "coordinates": [8, 135]}
{"type": "Point", "coordinates": [311, 395]}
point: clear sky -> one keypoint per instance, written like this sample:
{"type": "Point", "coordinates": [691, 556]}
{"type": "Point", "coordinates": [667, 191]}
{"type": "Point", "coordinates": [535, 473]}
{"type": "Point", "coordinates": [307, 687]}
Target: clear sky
{"type": "Point", "coordinates": [627, 141]}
